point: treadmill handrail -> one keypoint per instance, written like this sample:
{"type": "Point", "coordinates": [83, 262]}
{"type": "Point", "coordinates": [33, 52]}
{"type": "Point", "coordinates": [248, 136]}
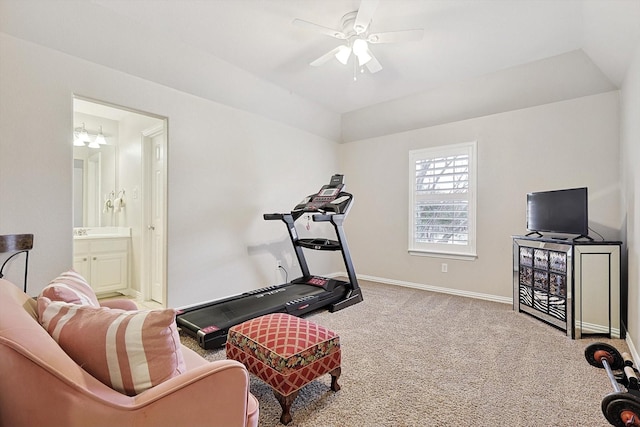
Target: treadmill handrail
{"type": "Point", "coordinates": [324, 217]}
{"type": "Point", "coordinates": [273, 216]}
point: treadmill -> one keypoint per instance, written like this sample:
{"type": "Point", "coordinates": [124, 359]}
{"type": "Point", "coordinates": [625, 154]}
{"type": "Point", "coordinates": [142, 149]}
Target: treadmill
{"type": "Point", "coordinates": [209, 323]}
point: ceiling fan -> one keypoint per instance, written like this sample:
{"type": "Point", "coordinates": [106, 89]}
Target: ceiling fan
{"type": "Point", "coordinates": [356, 33]}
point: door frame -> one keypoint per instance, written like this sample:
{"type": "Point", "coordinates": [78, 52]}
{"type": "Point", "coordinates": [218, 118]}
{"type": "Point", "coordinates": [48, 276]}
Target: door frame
{"type": "Point", "coordinates": [147, 205]}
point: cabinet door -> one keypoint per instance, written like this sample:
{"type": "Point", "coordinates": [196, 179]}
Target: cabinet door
{"type": "Point", "coordinates": [109, 271]}
{"type": "Point", "coordinates": [81, 258]}
{"type": "Point", "coordinates": [597, 288]}
{"type": "Point", "coordinates": [542, 281]}
{"type": "Point", "coordinates": [82, 266]}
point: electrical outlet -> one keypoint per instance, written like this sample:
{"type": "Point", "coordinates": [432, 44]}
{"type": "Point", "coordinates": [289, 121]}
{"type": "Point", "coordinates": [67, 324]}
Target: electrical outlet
{"type": "Point", "coordinates": [444, 267]}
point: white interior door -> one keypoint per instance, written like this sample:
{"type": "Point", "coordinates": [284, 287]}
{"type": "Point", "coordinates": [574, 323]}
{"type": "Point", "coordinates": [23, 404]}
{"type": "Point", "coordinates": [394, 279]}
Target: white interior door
{"type": "Point", "coordinates": [156, 181]}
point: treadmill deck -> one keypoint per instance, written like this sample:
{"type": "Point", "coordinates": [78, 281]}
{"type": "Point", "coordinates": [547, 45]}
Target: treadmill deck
{"type": "Point", "coordinates": [210, 323]}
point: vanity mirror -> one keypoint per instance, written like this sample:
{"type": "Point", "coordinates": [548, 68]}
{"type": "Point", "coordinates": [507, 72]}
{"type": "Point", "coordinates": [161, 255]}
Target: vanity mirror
{"type": "Point", "coordinates": [94, 166]}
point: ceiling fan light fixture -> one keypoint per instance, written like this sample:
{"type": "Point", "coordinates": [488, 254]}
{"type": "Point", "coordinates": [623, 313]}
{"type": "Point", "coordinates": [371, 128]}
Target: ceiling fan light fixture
{"type": "Point", "coordinates": [363, 58]}
{"type": "Point", "coordinates": [361, 50]}
{"type": "Point", "coordinates": [343, 54]}
{"type": "Point", "coordinates": [360, 46]}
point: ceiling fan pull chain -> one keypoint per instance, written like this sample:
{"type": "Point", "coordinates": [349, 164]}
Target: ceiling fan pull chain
{"type": "Point", "coordinates": [355, 69]}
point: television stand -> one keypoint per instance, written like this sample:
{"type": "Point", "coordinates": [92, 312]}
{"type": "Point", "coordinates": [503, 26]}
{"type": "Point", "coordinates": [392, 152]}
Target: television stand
{"type": "Point", "coordinates": [571, 285]}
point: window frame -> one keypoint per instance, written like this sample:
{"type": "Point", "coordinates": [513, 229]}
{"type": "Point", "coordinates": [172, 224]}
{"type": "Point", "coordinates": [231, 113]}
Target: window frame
{"type": "Point", "coordinates": [445, 250]}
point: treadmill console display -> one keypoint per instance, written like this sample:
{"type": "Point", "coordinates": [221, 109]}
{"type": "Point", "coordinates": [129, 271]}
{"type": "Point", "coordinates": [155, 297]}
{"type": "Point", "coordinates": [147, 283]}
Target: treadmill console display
{"type": "Point", "coordinates": [327, 194]}
{"type": "Point", "coordinates": [323, 197]}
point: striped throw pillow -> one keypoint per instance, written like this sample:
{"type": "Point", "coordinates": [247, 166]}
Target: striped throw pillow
{"type": "Point", "coordinates": [71, 287]}
{"type": "Point", "coordinates": [130, 351]}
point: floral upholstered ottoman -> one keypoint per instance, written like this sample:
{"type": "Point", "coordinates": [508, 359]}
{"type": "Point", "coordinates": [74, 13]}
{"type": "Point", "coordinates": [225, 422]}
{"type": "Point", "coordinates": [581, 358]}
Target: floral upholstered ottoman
{"type": "Point", "coordinates": [287, 353]}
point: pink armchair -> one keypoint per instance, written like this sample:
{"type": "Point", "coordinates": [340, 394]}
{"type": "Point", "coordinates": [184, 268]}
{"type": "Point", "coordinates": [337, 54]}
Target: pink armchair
{"type": "Point", "coordinates": [40, 385]}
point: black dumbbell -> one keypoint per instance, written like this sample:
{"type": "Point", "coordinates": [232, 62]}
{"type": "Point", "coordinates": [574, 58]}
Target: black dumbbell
{"type": "Point", "coordinates": [620, 408]}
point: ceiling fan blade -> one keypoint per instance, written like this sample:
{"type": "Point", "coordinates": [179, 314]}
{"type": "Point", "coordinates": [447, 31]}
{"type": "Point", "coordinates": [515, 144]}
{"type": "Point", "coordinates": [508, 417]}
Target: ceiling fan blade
{"type": "Point", "coordinates": [373, 65]}
{"type": "Point", "coordinates": [364, 16]}
{"type": "Point", "coordinates": [324, 58]}
{"type": "Point", "coordinates": [324, 30]}
{"type": "Point", "coordinates": [396, 36]}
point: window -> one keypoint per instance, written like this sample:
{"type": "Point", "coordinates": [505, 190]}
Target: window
{"type": "Point", "coordinates": [442, 201]}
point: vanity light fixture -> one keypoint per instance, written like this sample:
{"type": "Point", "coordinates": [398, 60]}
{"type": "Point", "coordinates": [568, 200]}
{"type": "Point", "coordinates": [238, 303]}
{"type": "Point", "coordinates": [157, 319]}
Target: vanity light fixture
{"type": "Point", "coordinates": [81, 137]}
{"type": "Point", "coordinates": [94, 144]}
{"type": "Point", "coordinates": [100, 139]}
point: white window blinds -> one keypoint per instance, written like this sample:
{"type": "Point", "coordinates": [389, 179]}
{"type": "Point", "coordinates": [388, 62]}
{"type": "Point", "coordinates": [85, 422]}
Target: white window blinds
{"type": "Point", "coordinates": [442, 200]}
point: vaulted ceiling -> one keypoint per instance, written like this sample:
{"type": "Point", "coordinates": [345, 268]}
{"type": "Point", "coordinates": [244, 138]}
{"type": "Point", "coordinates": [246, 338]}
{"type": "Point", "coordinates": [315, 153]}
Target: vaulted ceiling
{"type": "Point", "coordinates": [179, 42]}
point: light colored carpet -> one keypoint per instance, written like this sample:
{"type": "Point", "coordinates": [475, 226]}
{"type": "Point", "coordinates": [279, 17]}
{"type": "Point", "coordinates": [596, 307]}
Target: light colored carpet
{"type": "Point", "coordinates": [418, 358]}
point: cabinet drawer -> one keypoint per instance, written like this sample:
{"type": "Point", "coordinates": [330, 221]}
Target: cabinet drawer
{"type": "Point", "coordinates": [81, 247]}
{"type": "Point", "coordinates": [109, 245]}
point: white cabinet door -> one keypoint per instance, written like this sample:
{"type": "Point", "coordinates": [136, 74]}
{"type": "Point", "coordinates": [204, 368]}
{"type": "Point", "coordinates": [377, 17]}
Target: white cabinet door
{"type": "Point", "coordinates": [109, 271]}
{"type": "Point", "coordinates": [597, 289]}
{"type": "Point", "coordinates": [104, 263]}
{"type": "Point", "coordinates": [81, 258]}
{"type": "Point", "coordinates": [82, 266]}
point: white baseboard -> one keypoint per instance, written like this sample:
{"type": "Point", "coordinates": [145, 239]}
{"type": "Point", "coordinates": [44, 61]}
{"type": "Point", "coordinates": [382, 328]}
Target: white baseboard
{"type": "Point", "coordinates": [592, 328]}
{"type": "Point", "coordinates": [136, 294]}
{"type": "Point", "coordinates": [131, 293]}
{"type": "Point", "coordinates": [476, 295]}
{"type": "Point", "coordinates": [632, 349]}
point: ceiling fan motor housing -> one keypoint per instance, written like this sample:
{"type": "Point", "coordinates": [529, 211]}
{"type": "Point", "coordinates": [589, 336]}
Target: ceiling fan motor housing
{"type": "Point", "coordinates": [348, 21]}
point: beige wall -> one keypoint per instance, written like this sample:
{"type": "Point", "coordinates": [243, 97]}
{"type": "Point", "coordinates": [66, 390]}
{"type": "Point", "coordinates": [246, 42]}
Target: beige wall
{"type": "Point", "coordinates": [561, 145]}
{"type": "Point", "coordinates": [226, 168]}
{"type": "Point", "coordinates": [630, 158]}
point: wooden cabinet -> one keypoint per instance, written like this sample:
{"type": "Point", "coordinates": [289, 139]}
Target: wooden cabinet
{"type": "Point", "coordinates": [572, 285]}
{"type": "Point", "coordinates": [104, 262]}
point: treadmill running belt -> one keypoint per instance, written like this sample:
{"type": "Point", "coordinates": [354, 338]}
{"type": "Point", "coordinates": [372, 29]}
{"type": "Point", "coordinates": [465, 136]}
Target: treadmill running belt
{"type": "Point", "coordinates": [247, 307]}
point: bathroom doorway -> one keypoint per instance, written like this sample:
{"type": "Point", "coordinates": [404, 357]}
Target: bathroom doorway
{"type": "Point", "coordinates": [116, 198]}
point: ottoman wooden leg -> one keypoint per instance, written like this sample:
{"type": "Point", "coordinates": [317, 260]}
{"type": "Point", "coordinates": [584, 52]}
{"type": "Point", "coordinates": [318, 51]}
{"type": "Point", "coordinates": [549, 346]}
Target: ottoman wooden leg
{"type": "Point", "coordinates": [286, 402]}
{"type": "Point", "coordinates": [335, 374]}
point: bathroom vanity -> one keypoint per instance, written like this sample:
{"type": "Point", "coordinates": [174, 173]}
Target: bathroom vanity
{"type": "Point", "coordinates": [101, 255]}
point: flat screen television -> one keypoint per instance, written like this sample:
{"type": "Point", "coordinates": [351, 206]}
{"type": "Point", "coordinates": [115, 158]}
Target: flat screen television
{"type": "Point", "coordinates": [558, 211]}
